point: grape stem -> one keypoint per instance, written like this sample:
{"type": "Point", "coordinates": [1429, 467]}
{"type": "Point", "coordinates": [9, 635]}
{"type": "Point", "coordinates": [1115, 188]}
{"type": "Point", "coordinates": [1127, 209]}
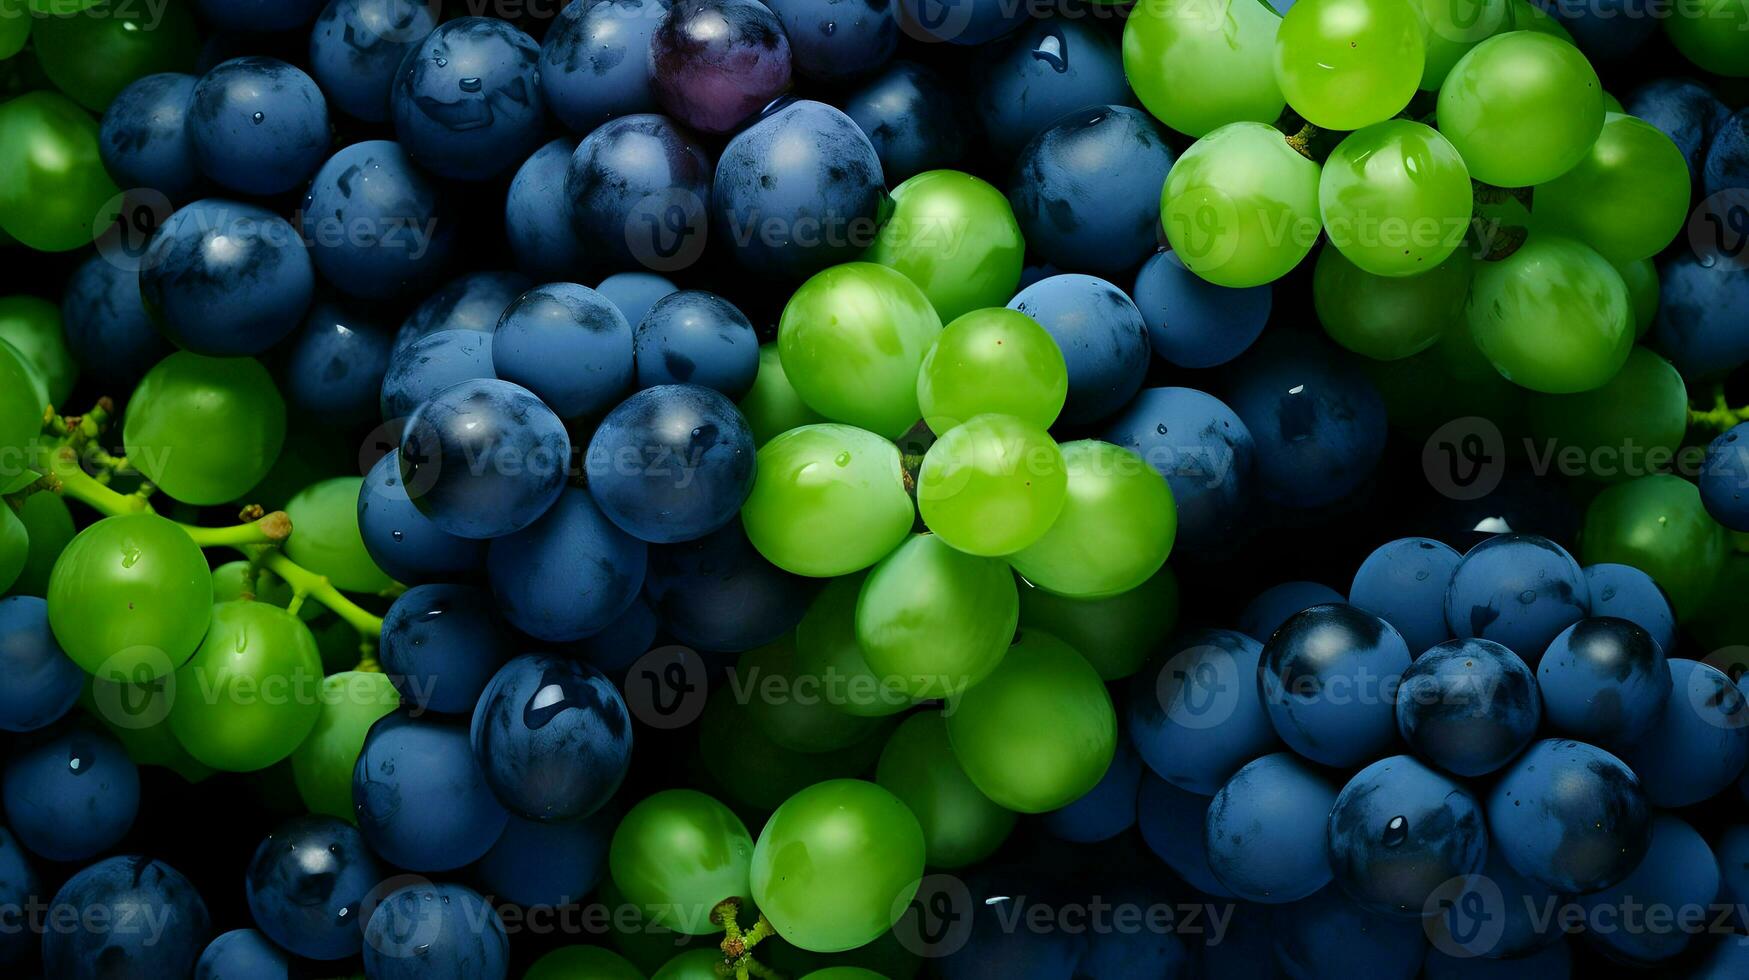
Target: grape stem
{"type": "Point", "coordinates": [1302, 140]}
{"type": "Point", "coordinates": [737, 944]}
{"type": "Point", "coordinates": [1500, 240]}
{"type": "Point", "coordinates": [1721, 416]}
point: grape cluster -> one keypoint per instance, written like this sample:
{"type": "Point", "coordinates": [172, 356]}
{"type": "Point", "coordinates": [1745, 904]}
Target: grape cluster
{"type": "Point", "coordinates": [680, 489]}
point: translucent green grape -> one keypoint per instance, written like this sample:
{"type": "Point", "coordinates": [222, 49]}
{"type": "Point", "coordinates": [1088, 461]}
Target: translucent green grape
{"type": "Point", "coordinates": [1641, 277]}
{"type": "Point", "coordinates": [994, 360]}
{"type": "Point", "coordinates": [92, 56]}
{"type": "Point", "coordinates": [1240, 207]}
{"type": "Point", "coordinates": [1713, 34]}
{"type": "Point", "coordinates": [130, 598]}
{"type": "Point", "coordinates": [1658, 525]}
{"type": "Point", "coordinates": [1395, 198]}
{"type": "Point", "coordinates": [1116, 633]}
{"type": "Point", "coordinates": [992, 485]}
{"type": "Point", "coordinates": [789, 704]}
{"type": "Point", "coordinates": [204, 429]}
{"type": "Point", "coordinates": [756, 772]}
{"type": "Point", "coordinates": [851, 339]}
{"type": "Point", "coordinates": [49, 526]}
{"type": "Point", "coordinates": [1388, 318]}
{"type": "Point", "coordinates": [56, 186]}
{"type": "Point", "coordinates": [325, 538]}
{"type": "Point", "coordinates": [1453, 28]}
{"type": "Point", "coordinates": [576, 962]}
{"type": "Point", "coordinates": [1629, 426]}
{"type": "Point", "coordinates": [1345, 64]}
{"type": "Point", "coordinates": [33, 327]}
{"type": "Point", "coordinates": [21, 415]}
{"type": "Point", "coordinates": [1198, 65]}
{"type": "Point", "coordinates": [772, 406]}
{"type": "Point", "coordinates": [1115, 530]}
{"type": "Point", "coordinates": [933, 620]}
{"type": "Point", "coordinates": [1628, 196]}
{"type": "Point", "coordinates": [14, 546]}
{"type": "Point", "coordinates": [1038, 733]}
{"type": "Point", "coordinates": [829, 500]}
{"type": "Point", "coordinates": [955, 237]}
{"type": "Point", "coordinates": [322, 764]}
{"type": "Point", "coordinates": [1523, 108]}
{"type": "Point", "coordinates": [252, 692]}
{"type": "Point", "coordinates": [678, 854]}
{"type": "Point", "coordinates": [836, 865]}
{"type": "Point", "coordinates": [1554, 316]}
{"type": "Point", "coordinates": [960, 824]}
{"type": "Point", "coordinates": [827, 648]}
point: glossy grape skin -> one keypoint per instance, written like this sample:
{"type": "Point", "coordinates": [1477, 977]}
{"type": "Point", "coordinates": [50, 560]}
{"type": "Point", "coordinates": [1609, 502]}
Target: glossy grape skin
{"type": "Point", "coordinates": [594, 61]}
{"type": "Point", "coordinates": [548, 864]}
{"type": "Point", "coordinates": [1679, 871]}
{"type": "Point", "coordinates": [992, 485]}
{"type": "Point", "coordinates": [699, 338]}
{"type": "Point", "coordinates": [992, 360]}
{"type": "Point", "coordinates": [1698, 745]}
{"type": "Point", "coordinates": [1017, 763]}
{"type": "Point", "coordinates": [635, 292]}
{"type": "Point", "coordinates": [1404, 582]}
{"type": "Point", "coordinates": [263, 669]}
{"type": "Point", "coordinates": [524, 447]}
{"type": "Point", "coordinates": [417, 372]}
{"type": "Point", "coordinates": [1259, 844]}
{"type": "Point", "coordinates": [1519, 590]}
{"type": "Point", "coordinates": [1194, 713]}
{"type": "Point", "coordinates": [1453, 28]}
{"type": "Point", "coordinates": [961, 826]}
{"type": "Point", "coordinates": [435, 932]}
{"type": "Point", "coordinates": [242, 953]}
{"type": "Point", "coordinates": [1724, 479]}
{"type": "Point", "coordinates": [836, 864]}
{"type": "Point", "coordinates": [127, 888]}
{"type": "Point", "coordinates": [827, 648]}
{"type": "Point", "coordinates": [421, 799]}
{"type": "Point", "coordinates": [1268, 609]}
{"type": "Point", "coordinates": [351, 701]}
{"type": "Point", "coordinates": [537, 216]}
{"type": "Point", "coordinates": [1658, 524]}
{"type": "Point", "coordinates": [638, 187]}
{"type": "Point", "coordinates": [334, 364]}
{"type": "Point", "coordinates": [836, 42]}
{"type": "Point", "coordinates": [933, 621]}
{"type": "Point", "coordinates": [1712, 35]}
{"type": "Point", "coordinates": [955, 236]}
{"type": "Point", "coordinates": [1693, 328]}
{"type": "Point", "coordinates": [1553, 317]}
{"type": "Point", "coordinates": [42, 681]}
{"type": "Point", "coordinates": [1626, 197]}
{"type": "Point", "coordinates": [49, 147]}
{"type": "Point", "coordinates": [1193, 323]}
{"type": "Point", "coordinates": [473, 301]}
{"type": "Point", "coordinates": [1523, 108]}
{"type": "Point", "coordinates": [1333, 646]}
{"type": "Point", "coordinates": [1398, 831]}
{"type": "Point", "coordinates": [1083, 189]}
{"type": "Point", "coordinates": [144, 139]}
{"type": "Point", "coordinates": [1625, 592]}
{"type": "Point", "coordinates": [677, 855]}
{"type": "Point", "coordinates": [1347, 64]}
{"type": "Point", "coordinates": [107, 328]}
{"type": "Point", "coordinates": [306, 883]}
{"type": "Point", "coordinates": [1395, 198]}
{"type": "Point", "coordinates": [914, 120]}
{"type": "Point", "coordinates": [1468, 706]}
{"type": "Point", "coordinates": [466, 102]}
{"type": "Point", "coordinates": [1389, 318]}
{"type": "Point", "coordinates": [1171, 822]}
{"type": "Point", "coordinates": [1103, 338]}
{"type": "Point", "coordinates": [569, 345]}
{"type": "Point", "coordinates": [403, 542]}
{"type": "Point", "coordinates": [49, 525]}
{"type": "Point", "coordinates": [356, 45]}
{"type": "Point", "coordinates": [1682, 109]}
{"type": "Point", "coordinates": [716, 63]}
{"type": "Point", "coordinates": [1204, 451]}
{"type": "Point", "coordinates": [258, 125]}
{"type": "Point", "coordinates": [72, 795]}
{"type": "Point", "coordinates": [552, 736]}
{"type": "Point", "coordinates": [1198, 68]}
{"type": "Point", "coordinates": [771, 406]}
{"type": "Point", "coordinates": [1727, 157]}
{"type": "Point", "coordinates": [811, 520]}
{"type": "Point", "coordinates": [224, 278]}
{"type": "Point", "coordinates": [440, 645]}
{"type": "Point", "coordinates": [1115, 529]}
{"type": "Point", "coordinates": [205, 429]}
{"type": "Point", "coordinates": [1240, 207]}
{"type": "Point", "coordinates": [1114, 633]}
{"type": "Point", "coordinates": [377, 226]}
{"type": "Point", "coordinates": [1053, 66]}
{"type": "Point", "coordinates": [1605, 681]}
{"type": "Point", "coordinates": [671, 463]}
{"type": "Point", "coordinates": [130, 598]}
{"type": "Point", "coordinates": [325, 537]}
{"type": "Point", "coordinates": [32, 327]}
{"type": "Point", "coordinates": [569, 573]}
{"type": "Point", "coordinates": [1632, 424]}
{"type": "Point", "coordinates": [1570, 816]}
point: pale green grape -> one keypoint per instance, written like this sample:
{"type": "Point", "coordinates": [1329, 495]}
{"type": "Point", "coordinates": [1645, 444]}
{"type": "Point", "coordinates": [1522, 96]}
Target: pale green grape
{"type": "Point", "coordinates": [1198, 65]}
{"type": "Point", "coordinates": [1115, 633]}
{"type": "Point", "coordinates": [1554, 316]}
{"type": "Point", "coordinates": [960, 824]}
{"type": "Point", "coordinates": [956, 237]}
{"type": "Point", "coordinates": [992, 485]}
{"type": "Point", "coordinates": [1642, 410]}
{"type": "Point", "coordinates": [827, 648]}
{"type": "Point", "coordinates": [251, 693]}
{"type": "Point", "coordinates": [1345, 64]}
{"type": "Point", "coordinates": [205, 429]}
{"type": "Point", "coordinates": [1523, 108]}
{"type": "Point", "coordinates": [1395, 198]}
{"type": "Point", "coordinates": [1713, 34]}
{"type": "Point", "coordinates": [33, 327]}
{"type": "Point", "coordinates": [1389, 318]}
{"type": "Point", "coordinates": [21, 417]}
{"type": "Point", "coordinates": [1240, 207]}
{"type": "Point", "coordinates": [50, 526]}
{"type": "Point", "coordinates": [130, 598]}
{"type": "Point", "coordinates": [829, 500]}
{"type": "Point", "coordinates": [993, 360]}
{"type": "Point", "coordinates": [933, 620]}
{"type": "Point", "coordinates": [325, 538]}
{"type": "Point", "coordinates": [56, 186]}
{"type": "Point", "coordinates": [1115, 530]}
{"type": "Point", "coordinates": [789, 704]}
{"type": "Point", "coordinates": [1453, 28]}
{"type": "Point", "coordinates": [1628, 196]}
{"type": "Point", "coordinates": [322, 764]}
{"type": "Point", "coordinates": [772, 406]}
{"type": "Point", "coordinates": [1641, 276]}
{"type": "Point", "coordinates": [14, 546]}
{"type": "Point", "coordinates": [677, 855]}
{"type": "Point", "coordinates": [1658, 525]}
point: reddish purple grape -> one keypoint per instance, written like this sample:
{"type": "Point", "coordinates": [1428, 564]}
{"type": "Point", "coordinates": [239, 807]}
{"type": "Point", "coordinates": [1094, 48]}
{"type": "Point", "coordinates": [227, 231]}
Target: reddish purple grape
{"type": "Point", "coordinates": [717, 62]}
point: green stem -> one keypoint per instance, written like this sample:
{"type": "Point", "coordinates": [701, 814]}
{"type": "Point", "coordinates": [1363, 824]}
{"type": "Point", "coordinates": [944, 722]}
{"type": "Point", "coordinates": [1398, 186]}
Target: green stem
{"type": "Point", "coordinates": [308, 583]}
{"type": "Point", "coordinates": [1302, 140]}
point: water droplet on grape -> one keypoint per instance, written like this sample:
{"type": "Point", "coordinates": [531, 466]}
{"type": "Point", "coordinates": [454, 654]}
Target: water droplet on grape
{"type": "Point", "coordinates": [1396, 832]}
{"type": "Point", "coordinates": [259, 118]}
{"type": "Point", "coordinates": [843, 458]}
{"type": "Point", "coordinates": [1050, 51]}
{"type": "Point", "coordinates": [469, 84]}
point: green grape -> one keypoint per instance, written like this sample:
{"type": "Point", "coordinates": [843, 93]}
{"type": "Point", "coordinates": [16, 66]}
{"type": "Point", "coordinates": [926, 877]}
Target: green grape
{"type": "Point", "coordinates": [1553, 316]}
{"type": "Point", "coordinates": [1115, 529]}
{"type": "Point", "coordinates": [955, 237]}
{"type": "Point", "coordinates": [138, 715]}
{"type": "Point", "coordinates": [33, 327]}
{"type": "Point", "coordinates": [1658, 525]}
{"type": "Point", "coordinates": [677, 855]}
{"type": "Point", "coordinates": [757, 773]}
{"type": "Point", "coordinates": [1612, 104]}
{"type": "Point", "coordinates": [204, 429]}
{"type": "Point", "coordinates": [1198, 65]}
{"type": "Point", "coordinates": [1039, 732]}
{"type": "Point", "coordinates": [252, 692]}
{"type": "Point", "coordinates": [1116, 633]}
{"type": "Point", "coordinates": [55, 188]}
{"type": "Point", "coordinates": [829, 500]}
{"type": "Point", "coordinates": [1723, 620]}
{"type": "Point", "coordinates": [351, 702]}
{"type": "Point", "coordinates": [772, 406]}
{"type": "Point", "coordinates": [582, 963]}
{"type": "Point", "coordinates": [1345, 64]}
{"type": "Point", "coordinates": [14, 546]}
{"type": "Point", "coordinates": [1713, 34]}
{"type": "Point", "coordinates": [995, 360]}
{"type": "Point", "coordinates": [14, 27]}
{"type": "Point", "coordinates": [1629, 426]}
{"type": "Point", "coordinates": [960, 824]}
{"type": "Point", "coordinates": [992, 485]}
{"type": "Point", "coordinates": [789, 704]}
{"type": "Point", "coordinates": [325, 538]}
{"type": "Point", "coordinates": [827, 648]}
{"type": "Point", "coordinates": [1641, 277]}
{"type": "Point", "coordinates": [1395, 198]}
{"type": "Point", "coordinates": [239, 579]}
{"type": "Point", "coordinates": [886, 958]}
{"type": "Point", "coordinates": [50, 527]}
{"type": "Point", "coordinates": [1453, 28]}
{"type": "Point", "coordinates": [837, 864]}
{"type": "Point", "coordinates": [130, 598]}
{"type": "Point", "coordinates": [1628, 196]}
{"type": "Point", "coordinates": [1527, 16]}
{"type": "Point", "coordinates": [92, 56]}
{"type": "Point", "coordinates": [1240, 207]}
{"type": "Point", "coordinates": [21, 412]}
{"type": "Point", "coordinates": [1386, 317]}
{"type": "Point", "coordinates": [647, 945]}
{"type": "Point", "coordinates": [1523, 108]}
{"type": "Point", "coordinates": [933, 620]}
{"type": "Point", "coordinates": [851, 339]}
{"type": "Point", "coordinates": [695, 964]}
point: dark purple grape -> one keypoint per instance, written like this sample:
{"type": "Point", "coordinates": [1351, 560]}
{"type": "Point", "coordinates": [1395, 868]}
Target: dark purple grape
{"type": "Point", "coordinates": [717, 62]}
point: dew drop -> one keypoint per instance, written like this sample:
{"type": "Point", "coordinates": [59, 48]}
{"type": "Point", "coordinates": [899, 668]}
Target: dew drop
{"type": "Point", "coordinates": [1396, 832]}
{"type": "Point", "coordinates": [843, 458]}
{"type": "Point", "coordinates": [259, 118]}
{"type": "Point", "coordinates": [469, 84]}
{"type": "Point", "coordinates": [397, 535]}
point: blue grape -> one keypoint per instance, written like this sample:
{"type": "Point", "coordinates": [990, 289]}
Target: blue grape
{"type": "Point", "coordinates": [1260, 844]}
{"type": "Point", "coordinates": [471, 302]}
{"type": "Point", "coordinates": [552, 736]}
{"type": "Point", "coordinates": [634, 292]}
{"type": "Point", "coordinates": [401, 540]}
{"type": "Point", "coordinates": [837, 40]}
{"type": "Point", "coordinates": [421, 799]}
{"type": "Point", "coordinates": [537, 216]}
{"type": "Point", "coordinates": [106, 324]}
{"type": "Point", "coordinates": [484, 458]}
{"type": "Point", "coordinates": [19, 885]}
{"type": "Point", "coordinates": [1108, 809]}
{"type": "Point", "coordinates": [259, 15]}
{"type": "Point", "coordinates": [1266, 611]}
{"type": "Point", "coordinates": [1727, 960]}
{"type": "Point", "coordinates": [1724, 478]}
{"type": "Point", "coordinates": [126, 889]}
{"type": "Point", "coordinates": [242, 954]}
{"type": "Point", "coordinates": [357, 45]}
{"type": "Point", "coordinates": [376, 226]}
{"type": "Point", "coordinates": [1523, 503]}
{"type": "Point", "coordinates": [695, 337]}
{"type": "Point", "coordinates": [42, 682]}
{"type": "Point", "coordinates": [424, 931]}
{"type": "Point", "coordinates": [440, 645]}
{"type": "Point", "coordinates": [638, 186]}
{"type": "Point", "coordinates": [718, 593]}
{"type": "Point", "coordinates": [1606, 30]}
{"type": "Point", "coordinates": [715, 63]}
{"type": "Point", "coordinates": [467, 100]}
{"type": "Point", "coordinates": [1695, 328]}
{"type": "Point", "coordinates": [1468, 706]}
{"type": "Point", "coordinates": [912, 117]}
{"type": "Point", "coordinates": [971, 22]}
{"type": "Point", "coordinates": [1193, 323]}
{"type": "Point", "coordinates": [1207, 456]}
{"type": "Point", "coordinates": [1732, 847]}
{"type": "Point", "coordinates": [1399, 831]}
{"type": "Point", "coordinates": [1153, 950]}
{"type": "Point", "coordinates": [1328, 936]}
{"type": "Point", "coordinates": [595, 61]}
{"type": "Point", "coordinates": [620, 643]}
{"type": "Point", "coordinates": [1569, 816]}
{"type": "Point", "coordinates": [1194, 712]}
{"type": "Point", "coordinates": [1727, 156]}
{"type": "Point", "coordinates": [71, 795]}
{"type": "Point", "coordinates": [1328, 678]}
{"type": "Point", "coordinates": [1404, 582]}
{"type": "Point", "coordinates": [1495, 916]}
{"type": "Point", "coordinates": [1518, 590]}
{"type": "Point", "coordinates": [144, 138]}
{"type": "Point", "coordinates": [1102, 336]}
{"type": "Point", "coordinates": [568, 344]}
{"type": "Point", "coordinates": [993, 949]}
{"type": "Point", "coordinates": [672, 463]}
{"type": "Point", "coordinates": [1172, 822]}
{"type": "Point", "coordinates": [307, 883]}
{"type": "Point", "coordinates": [1678, 872]}
{"type": "Point", "coordinates": [224, 279]}
{"type": "Point", "coordinates": [1037, 74]}
{"type": "Point", "coordinates": [1699, 743]}
{"type": "Point", "coordinates": [1087, 190]}
{"type": "Point", "coordinates": [1684, 110]}
{"type": "Point", "coordinates": [333, 366]}
{"type": "Point", "coordinates": [1625, 592]}
{"type": "Point", "coordinates": [548, 864]}
{"type": "Point", "coordinates": [258, 125]}
{"type": "Point", "coordinates": [1605, 681]}
{"type": "Point", "coordinates": [567, 575]}
{"type": "Point", "coordinates": [417, 372]}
